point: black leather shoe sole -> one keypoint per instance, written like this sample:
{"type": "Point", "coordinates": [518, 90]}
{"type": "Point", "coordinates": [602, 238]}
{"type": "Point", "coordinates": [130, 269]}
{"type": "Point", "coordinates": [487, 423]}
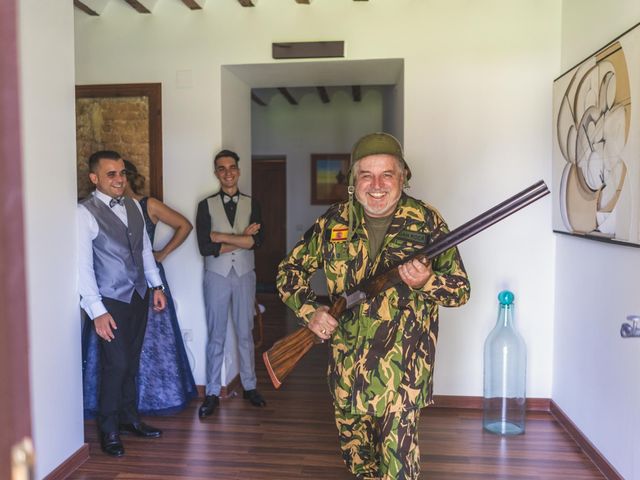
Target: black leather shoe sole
{"type": "Point", "coordinates": [113, 450]}
{"type": "Point", "coordinates": [144, 432]}
{"type": "Point", "coordinates": [254, 398]}
{"type": "Point", "coordinates": [209, 406]}
{"type": "Point", "coordinates": [111, 444]}
{"type": "Point", "coordinates": [205, 412]}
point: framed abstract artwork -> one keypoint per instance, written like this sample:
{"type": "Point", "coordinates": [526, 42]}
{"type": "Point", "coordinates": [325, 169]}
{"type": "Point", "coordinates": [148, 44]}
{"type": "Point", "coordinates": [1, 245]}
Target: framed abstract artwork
{"type": "Point", "coordinates": [596, 144]}
{"type": "Point", "coordinates": [329, 177]}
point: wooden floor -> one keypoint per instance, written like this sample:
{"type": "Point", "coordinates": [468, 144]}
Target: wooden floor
{"type": "Point", "coordinates": [294, 437]}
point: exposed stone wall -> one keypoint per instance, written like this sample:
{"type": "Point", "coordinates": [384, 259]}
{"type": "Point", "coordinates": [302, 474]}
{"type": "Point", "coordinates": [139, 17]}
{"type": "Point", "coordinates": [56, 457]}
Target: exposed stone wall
{"type": "Point", "coordinates": [120, 124]}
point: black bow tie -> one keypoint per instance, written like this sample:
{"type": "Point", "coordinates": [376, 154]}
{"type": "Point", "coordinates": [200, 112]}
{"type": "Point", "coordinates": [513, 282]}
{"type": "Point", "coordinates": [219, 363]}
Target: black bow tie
{"type": "Point", "coordinates": [116, 201]}
{"type": "Point", "coordinates": [226, 198]}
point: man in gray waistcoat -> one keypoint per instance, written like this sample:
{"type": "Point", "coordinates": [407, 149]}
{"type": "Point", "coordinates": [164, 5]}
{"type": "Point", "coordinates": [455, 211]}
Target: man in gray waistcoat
{"type": "Point", "coordinates": [228, 226]}
{"type": "Point", "coordinates": [116, 271]}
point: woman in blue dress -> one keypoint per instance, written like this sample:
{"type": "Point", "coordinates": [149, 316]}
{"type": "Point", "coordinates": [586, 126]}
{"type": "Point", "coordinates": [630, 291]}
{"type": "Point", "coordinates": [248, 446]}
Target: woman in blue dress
{"type": "Point", "coordinates": [165, 380]}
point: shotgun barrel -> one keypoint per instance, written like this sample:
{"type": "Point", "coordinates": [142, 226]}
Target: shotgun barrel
{"type": "Point", "coordinates": [284, 355]}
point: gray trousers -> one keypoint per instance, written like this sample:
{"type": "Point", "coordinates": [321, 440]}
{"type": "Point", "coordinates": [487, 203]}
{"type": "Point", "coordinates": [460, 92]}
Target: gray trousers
{"type": "Point", "coordinates": [224, 295]}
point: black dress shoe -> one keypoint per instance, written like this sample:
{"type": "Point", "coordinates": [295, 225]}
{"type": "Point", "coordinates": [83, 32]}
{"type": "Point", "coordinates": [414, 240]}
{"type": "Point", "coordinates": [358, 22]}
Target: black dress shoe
{"type": "Point", "coordinates": [111, 444]}
{"type": "Point", "coordinates": [210, 403]}
{"type": "Point", "coordinates": [254, 397]}
{"type": "Point", "coordinates": [140, 429]}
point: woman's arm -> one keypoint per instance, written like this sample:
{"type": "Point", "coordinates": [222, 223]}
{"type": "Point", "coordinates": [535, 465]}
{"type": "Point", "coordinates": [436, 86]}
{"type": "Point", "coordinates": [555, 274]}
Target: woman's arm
{"type": "Point", "coordinates": [159, 212]}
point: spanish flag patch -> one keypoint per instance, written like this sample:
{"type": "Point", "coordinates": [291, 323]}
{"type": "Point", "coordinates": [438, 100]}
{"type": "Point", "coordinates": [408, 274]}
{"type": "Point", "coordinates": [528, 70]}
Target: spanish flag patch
{"type": "Point", "coordinates": [339, 233]}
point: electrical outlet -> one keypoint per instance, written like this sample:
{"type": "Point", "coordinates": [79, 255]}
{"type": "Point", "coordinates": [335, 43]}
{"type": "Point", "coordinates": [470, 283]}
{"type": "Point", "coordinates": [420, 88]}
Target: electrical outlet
{"type": "Point", "coordinates": [187, 335]}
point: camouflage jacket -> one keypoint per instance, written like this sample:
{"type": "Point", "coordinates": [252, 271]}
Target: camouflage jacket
{"type": "Point", "coordinates": [383, 351]}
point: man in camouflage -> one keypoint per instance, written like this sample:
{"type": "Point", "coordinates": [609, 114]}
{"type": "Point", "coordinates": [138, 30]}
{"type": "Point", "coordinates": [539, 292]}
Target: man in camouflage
{"type": "Point", "coordinates": [380, 372]}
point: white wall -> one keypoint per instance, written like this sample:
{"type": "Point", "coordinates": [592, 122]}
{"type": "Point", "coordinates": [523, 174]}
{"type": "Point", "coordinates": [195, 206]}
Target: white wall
{"type": "Point", "coordinates": [477, 108]}
{"type": "Point", "coordinates": [48, 136]}
{"type": "Point", "coordinates": [477, 103]}
{"type": "Point", "coordinates": [393, 109]}
{"type": "Point", "coordinates": [595, 376]}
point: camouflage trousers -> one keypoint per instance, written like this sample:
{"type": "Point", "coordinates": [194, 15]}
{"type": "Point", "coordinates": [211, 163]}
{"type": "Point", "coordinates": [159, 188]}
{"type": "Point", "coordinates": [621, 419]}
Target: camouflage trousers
{"type": "Point", "coordinates": [383, 448]}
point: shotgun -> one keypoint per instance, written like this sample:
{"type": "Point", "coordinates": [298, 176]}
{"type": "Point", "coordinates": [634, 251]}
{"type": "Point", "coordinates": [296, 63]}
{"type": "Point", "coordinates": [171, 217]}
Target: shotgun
{"type": "Point", "coordinates": [284, 355]}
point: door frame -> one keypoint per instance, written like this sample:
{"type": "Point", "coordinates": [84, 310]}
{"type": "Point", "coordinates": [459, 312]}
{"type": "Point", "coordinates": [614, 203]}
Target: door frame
{"type": "Point", "coordinates": [15, 400]}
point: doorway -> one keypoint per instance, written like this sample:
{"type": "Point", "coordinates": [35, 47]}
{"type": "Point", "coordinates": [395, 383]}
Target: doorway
{"type": "Point", "coordinates": [269, 188]}
{"type": "Point", "coordinates": [345, 112]}
{"type": "Point", "coordinates": [15, 401]}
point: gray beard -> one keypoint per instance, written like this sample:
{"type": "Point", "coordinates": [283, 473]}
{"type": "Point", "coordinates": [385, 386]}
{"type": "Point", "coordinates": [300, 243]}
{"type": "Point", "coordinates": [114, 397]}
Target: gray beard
{"type": "Point", "coordinates": [393, 202]}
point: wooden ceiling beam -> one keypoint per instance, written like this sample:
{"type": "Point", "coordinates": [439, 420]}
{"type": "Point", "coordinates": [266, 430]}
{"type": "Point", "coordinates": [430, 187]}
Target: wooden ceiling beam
{"type": "Point", "coordinates": [194, 4]}
{"type": "Point", "coordinates": [91, 7]}
{"type": "Point", "coordinates": [285, 93]}
{"type": "Point", "coordinates": [85, 8]}
{"type": "Point", "coordinates": [138, 6]}
{"type": "Point", "coordinates": [258, 100]}
{"type": "Point", "coordinates": [247, 3]}
{"type": "Point", "coordinates": [306, 2]}
{"type": "Point", "coordinates": [324, 96]}
{"type": "Point", "coordinates": [356, 93]}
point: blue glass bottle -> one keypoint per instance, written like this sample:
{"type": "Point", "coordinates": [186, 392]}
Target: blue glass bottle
{"type": "Point", "coordinates": [505, 366]}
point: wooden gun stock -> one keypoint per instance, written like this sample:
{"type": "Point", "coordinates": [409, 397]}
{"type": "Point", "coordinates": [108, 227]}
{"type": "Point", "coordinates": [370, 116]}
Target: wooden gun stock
{"type": "Point", "coordinates": [284, 355]}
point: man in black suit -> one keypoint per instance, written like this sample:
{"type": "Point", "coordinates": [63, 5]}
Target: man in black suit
{"type": "Point", "coordinates": [117, 269]}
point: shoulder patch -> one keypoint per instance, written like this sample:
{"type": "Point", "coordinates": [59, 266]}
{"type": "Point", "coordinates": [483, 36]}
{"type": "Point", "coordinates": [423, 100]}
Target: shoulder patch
{"type": "Point", "coordinates": [339, 233]}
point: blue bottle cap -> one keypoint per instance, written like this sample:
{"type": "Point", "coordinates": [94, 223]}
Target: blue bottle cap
{"type": "Point", "coordinates": [505, 297]}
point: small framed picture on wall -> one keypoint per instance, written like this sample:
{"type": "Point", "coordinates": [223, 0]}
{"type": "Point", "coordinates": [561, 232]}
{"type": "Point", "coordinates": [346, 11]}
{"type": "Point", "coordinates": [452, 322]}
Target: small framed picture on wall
{"type": "Point", "coordinates": [329, 180]}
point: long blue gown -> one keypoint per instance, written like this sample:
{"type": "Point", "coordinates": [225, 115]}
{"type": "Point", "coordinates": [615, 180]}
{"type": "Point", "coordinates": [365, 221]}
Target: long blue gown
{"type": "Point", "coordinates": [165, 380]}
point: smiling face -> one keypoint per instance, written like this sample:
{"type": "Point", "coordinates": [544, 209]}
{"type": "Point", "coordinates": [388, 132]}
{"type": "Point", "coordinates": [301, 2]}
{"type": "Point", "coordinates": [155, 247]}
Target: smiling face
{"type": "Point", "coordinates": [379, 180]}
{"type": "Point", "coordinates": [110, 177]}
{"type": "Point", "coordinates": [228, 173]}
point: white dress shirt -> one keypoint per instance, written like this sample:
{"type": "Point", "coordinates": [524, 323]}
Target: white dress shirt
{"type": "Point", "coordinates": [90, 298]}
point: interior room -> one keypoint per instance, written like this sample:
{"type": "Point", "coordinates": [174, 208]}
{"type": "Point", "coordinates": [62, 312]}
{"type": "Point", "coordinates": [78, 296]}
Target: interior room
{"type": "Point", "coordinates": [467, 87]}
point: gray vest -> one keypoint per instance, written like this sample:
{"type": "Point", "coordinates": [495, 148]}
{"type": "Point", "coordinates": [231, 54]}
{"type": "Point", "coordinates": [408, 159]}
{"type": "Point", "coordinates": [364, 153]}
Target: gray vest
{"type": "Point", "coordinates": [117, 250]}
{"type": "Point", "coordinates": [241, 260]}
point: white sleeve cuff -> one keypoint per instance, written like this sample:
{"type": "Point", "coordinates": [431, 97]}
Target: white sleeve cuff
{"type": "Point", "coordinates": [95, 310]}
{"type": "Point", "coordinates": [153, 278]}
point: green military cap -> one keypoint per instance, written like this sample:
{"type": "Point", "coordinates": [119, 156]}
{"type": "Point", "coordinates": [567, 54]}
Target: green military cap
{"type": "Point", "coordinates": [376, 144]}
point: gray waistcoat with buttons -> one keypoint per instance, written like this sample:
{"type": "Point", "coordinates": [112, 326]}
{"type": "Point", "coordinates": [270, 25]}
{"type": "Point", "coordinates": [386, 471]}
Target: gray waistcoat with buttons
{"type": "Point", "coordinates": [117, 250]}
{"type": "Point", "coordinates": [241, 260]}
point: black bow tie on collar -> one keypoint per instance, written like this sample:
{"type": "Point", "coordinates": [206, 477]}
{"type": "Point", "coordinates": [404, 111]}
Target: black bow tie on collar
{"type": "Point", "coordinates": [226, 198]}
{"type": "Point", "coordinates": [116, 201]}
